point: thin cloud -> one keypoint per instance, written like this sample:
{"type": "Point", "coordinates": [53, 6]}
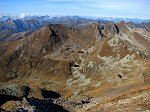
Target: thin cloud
{"type": "Point", "coordinates": [116, 8]}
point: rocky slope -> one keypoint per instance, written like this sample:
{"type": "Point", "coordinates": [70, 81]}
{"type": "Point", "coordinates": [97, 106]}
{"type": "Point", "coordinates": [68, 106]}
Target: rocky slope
{"type": "Point", "coordinates": [92, 67]}
{"type": "Point", "coordinates": [13, 29]}
{"type": "Point", "coordinates": [8, 35]}
{"type": "Point", "coordinates": [20, 25]}
{"type": "Point", "coordinates": [141, 25]}
{"type": "Point", "coordinates": [16, 29]}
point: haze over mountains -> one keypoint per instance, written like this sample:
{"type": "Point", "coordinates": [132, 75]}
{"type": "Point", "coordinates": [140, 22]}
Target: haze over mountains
{"type": "Point", "coordinates": [14, 27]}
{"type": "Point", "coordinates": [47, 17]}
{"type": "Point", "coordinates": [75, 64]}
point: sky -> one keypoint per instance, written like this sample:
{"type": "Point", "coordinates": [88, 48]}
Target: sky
{"type": "Point", "coordinates": [94, 8]}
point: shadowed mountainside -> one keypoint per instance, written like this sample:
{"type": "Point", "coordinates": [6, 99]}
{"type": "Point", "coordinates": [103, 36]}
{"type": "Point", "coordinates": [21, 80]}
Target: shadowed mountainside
{"type": "Point", "coordinates": [13, 29]}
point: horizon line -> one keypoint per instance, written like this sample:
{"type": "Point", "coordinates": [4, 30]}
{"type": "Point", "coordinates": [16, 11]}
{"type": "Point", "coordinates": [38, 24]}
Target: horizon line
{"type": "Point", "coordinates": [58, 15]}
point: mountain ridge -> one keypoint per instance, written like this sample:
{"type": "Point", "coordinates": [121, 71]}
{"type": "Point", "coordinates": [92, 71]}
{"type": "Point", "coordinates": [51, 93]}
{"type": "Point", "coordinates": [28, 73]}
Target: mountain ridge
{"type": "Point", "coordinates": [89, 66]}
{"type": "Point", "coordinates": [19, 28]}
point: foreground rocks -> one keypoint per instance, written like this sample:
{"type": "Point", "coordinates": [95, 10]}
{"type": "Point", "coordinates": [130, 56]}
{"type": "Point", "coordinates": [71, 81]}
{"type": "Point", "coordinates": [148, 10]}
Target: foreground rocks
{"type": "Point", "coordinates": [14, 98]}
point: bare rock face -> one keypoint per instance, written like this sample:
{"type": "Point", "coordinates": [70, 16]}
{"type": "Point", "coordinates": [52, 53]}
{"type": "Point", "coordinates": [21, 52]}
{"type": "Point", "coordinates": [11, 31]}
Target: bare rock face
{"type": "Point", "coordinates": [2, 110]}
{"type": "Point", "coordinates": [14, 90]}
{"type": "Point", "coordinates": [94, 67]}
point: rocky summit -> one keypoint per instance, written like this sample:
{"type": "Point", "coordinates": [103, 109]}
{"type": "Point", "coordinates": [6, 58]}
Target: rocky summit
{"type": "Point", "coordinates": [84, 67]}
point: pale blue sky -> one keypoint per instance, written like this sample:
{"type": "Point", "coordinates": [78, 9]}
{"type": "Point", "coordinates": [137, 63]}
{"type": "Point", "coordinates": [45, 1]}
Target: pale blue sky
{"type": "Point", "coordinates": [111, 8]}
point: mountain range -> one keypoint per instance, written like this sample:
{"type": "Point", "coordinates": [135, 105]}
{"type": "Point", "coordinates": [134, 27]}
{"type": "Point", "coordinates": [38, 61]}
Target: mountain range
{"type": "Point", "coordinates": [74, 64]}
{"type": "Point", "coordinates": [47, 17]}
{"type": "Point", "coordinates": [13, 27]}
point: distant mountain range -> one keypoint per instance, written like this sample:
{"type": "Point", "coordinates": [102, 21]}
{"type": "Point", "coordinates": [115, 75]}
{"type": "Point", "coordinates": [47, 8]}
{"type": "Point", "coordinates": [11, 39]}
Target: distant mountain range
{"type": "Point", "coordinates": [134, 20]}
{"type": "Point", "coordinates": [47, 17]}
{"type": "Point", "coordinates": [15, 27]}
